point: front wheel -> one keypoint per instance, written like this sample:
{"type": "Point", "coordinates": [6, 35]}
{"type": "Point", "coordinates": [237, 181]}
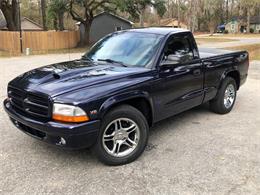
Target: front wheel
{"type": "Point", "coordinates": [226, 97]}
{"type": "Point", "coordinates": [123, 136]}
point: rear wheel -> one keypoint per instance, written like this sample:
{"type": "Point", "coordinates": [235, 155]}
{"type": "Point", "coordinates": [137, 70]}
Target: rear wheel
{"type": "Point", "coordinates": [226, 97]}
{"type": "Point", "coordinates": [123, 136]}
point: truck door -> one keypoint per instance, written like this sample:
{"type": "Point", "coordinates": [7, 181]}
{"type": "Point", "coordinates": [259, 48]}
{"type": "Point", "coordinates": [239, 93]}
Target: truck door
{"type": "Point", "coordinates": [180, 76]}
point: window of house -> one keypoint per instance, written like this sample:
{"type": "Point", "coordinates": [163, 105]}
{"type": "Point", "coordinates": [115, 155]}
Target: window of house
{"type": "Point", "coordinates": [118, 28]}
{"type": "Point", "coordinates": [232, 26]}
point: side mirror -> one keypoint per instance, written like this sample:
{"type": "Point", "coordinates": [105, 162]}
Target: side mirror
{"type": "Point", "coordinates": [171, 60]}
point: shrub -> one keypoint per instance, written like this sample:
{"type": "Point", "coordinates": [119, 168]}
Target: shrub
{"type": "Point", "coordinates": [252, 30]}
{"type": "Point", "coordinates": [225, 32]}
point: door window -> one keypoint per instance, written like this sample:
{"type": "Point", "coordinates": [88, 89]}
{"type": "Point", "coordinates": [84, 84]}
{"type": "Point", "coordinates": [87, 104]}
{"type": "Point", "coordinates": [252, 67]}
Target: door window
{"type": "Point", "coordinates": [179, 48]}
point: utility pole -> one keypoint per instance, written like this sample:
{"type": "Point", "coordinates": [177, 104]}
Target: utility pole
{"type": "Point", "coordinates": [20, 26]}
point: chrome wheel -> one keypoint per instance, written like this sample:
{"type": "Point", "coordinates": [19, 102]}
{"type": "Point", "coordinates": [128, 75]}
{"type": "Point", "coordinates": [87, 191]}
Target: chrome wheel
{"type": "Point", "coordinates": [121, 137]}
{"type": "Point", "coordinates": [230, 95]}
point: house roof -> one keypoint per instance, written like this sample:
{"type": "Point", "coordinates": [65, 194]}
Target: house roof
{"type": "Point", "coordinates": [253, 19]}
{"type": "Point", "coordinates": [113, 15]}
{"type": "Point", "coordinates": [110, 14]}
{"type": "Point", "coordinates": [32, 22]}
{"type": "Point", "coordinates": [27, 24]}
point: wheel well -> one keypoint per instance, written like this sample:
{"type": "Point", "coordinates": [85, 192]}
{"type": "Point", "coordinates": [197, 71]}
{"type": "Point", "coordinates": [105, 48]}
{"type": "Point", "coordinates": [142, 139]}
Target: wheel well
{"type": "Point", "coordinates": [140, 104]}
{"type": "Point", "coordinates": [235, 75]}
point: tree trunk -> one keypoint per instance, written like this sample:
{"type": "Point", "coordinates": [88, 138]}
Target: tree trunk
{"type": "Point", "coordinates": [179, 14]}
{"type": "Point", "coordinates": [212, 27]}
{"type": "Point", "coordinates": [248, 20]}
{"type": "Point", "coordinates": [55, 23]}
{"type": "Point", "coordinates": [43, 10]}
{"type": "Point", "coordinates": [85, 40]}
{"type": "Point", "coordinates": [9, 20]}
{"type": "Point", "coordinates": [11, 15]}
{"type": "Point", "coordinates": [227, 12]}
{"type": "Point", "coordinates": [61, 22]}
{"type": "Point", "coordinates": [141, 17]}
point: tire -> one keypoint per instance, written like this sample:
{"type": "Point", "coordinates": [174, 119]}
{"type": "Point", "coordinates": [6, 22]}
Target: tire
{"type": "Point", "coordinates": [128, 143]}
{"type": "Point", "coordinates": [220, 104]}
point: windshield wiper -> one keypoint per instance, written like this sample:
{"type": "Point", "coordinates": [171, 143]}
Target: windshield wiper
{"type": "Point", "coordinates": [113, 62]}
{"type": "Point", "coordinates": [86, 58]}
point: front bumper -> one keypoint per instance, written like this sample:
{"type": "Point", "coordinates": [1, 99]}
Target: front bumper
{"type": "Point", "coordinates": [76, 136]}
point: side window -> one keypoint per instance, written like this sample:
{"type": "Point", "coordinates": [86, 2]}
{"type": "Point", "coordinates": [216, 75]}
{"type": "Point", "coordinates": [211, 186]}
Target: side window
{"type": "Point", "coordinates": [179, 47]}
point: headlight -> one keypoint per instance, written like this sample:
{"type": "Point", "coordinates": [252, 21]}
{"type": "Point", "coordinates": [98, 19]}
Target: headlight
{"type": "Point", "coordinates": [68, 113]}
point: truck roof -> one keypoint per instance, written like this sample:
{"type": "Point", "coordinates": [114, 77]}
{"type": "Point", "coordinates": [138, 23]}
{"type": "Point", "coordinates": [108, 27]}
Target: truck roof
{"type": "Point", "coordinates": [159, 30]}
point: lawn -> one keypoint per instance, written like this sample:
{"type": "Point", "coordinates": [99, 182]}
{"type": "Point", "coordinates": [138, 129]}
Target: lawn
{"type": "Point", "coordinates": [239, 35]}
{"type": "Point", "coordinates": [254, 50]}
{"type": "Point", "coordinates": [203, 40]}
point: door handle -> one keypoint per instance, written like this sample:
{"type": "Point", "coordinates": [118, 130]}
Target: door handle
{"type": "Point", "coordinates": [197, 72]}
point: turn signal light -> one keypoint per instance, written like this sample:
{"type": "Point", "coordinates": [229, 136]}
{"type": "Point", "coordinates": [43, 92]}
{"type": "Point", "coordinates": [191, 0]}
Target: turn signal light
{"type": "Point", "coordinates": [70, 119]}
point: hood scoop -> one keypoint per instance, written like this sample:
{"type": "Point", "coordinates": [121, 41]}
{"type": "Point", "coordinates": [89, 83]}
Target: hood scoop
{"type": "Point", "coordinates": [56, 76]}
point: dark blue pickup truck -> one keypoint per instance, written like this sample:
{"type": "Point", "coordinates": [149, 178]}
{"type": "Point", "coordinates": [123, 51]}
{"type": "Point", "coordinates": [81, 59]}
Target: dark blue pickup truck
{"type": "Point", "coordinates": [129, 80]}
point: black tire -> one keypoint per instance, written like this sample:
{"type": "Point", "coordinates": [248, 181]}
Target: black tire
{"type": "Point", "coordinates": [129, 112]}
{"type": "Point", "coordinates": [217, 105]}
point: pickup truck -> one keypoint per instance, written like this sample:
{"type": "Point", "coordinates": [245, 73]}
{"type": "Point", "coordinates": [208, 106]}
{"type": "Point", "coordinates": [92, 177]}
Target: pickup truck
{"type": "Point", "coordinates": [129, 80]}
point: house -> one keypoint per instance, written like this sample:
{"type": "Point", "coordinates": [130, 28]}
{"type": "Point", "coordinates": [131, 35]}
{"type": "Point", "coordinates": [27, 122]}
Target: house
{"type": "Point", "coordinates": [26, 24]}
{"type": "Point", "coordinates": [172, 22]}
{"type": "Point", "coordinates": [239, 25]}
{"type": "Point", "coordinates": [104, 24]}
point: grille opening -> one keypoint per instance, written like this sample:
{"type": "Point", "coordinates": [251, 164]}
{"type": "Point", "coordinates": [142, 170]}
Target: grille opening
{"type": "Point", "coordinates": [29, 130]}
{"type": "Point", "coordinates": [30, 103]}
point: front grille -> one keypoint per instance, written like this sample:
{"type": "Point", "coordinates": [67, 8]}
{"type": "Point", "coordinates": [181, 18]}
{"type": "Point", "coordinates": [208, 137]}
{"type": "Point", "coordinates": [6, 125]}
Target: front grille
{"type": "Point", "coordinates": [30, 103]}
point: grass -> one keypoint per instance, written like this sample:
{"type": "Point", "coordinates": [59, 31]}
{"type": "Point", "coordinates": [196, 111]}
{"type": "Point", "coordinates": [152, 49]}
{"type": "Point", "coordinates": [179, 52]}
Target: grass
{"type": "Point", "coordinates": [203, 40]}
{"type": "Point", "coordinates": [239, 35]}
{"type": "Point", "coordinates": [254, 50]}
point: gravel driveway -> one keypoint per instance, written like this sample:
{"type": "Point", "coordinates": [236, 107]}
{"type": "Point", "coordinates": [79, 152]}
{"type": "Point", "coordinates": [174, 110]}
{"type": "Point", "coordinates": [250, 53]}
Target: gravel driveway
{"type": "Point", "coordinates": [197, 152]}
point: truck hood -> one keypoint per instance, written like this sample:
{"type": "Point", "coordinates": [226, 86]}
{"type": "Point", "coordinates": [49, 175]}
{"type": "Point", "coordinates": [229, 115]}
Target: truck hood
{"type": "Point", "coordinates": [60, 78]}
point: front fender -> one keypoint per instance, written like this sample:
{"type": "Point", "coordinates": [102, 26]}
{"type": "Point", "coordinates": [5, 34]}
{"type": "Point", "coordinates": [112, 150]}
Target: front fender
{"type": "Point", "coordinates": [119, 98]}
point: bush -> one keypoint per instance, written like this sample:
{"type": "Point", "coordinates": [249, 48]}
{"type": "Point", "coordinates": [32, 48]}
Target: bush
{"type": "Point", "coordinates": [252, 30]}
{"type": "Point", "coordinates": [225, 31]}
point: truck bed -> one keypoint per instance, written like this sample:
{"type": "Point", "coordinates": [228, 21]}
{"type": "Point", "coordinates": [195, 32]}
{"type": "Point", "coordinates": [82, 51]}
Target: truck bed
{"type": "Point", "coordinates": [211, 52]}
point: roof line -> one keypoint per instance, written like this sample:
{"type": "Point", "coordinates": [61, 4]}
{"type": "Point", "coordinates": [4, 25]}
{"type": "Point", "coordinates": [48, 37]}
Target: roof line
{"type": "Point", "coordinates": [104, 12]}
{"type": "Point", "coordinates": [33, 22]}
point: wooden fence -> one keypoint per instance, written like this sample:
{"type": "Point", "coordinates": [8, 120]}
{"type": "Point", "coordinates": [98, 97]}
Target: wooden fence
{"type": "Point", "coordinates": [38, 41]}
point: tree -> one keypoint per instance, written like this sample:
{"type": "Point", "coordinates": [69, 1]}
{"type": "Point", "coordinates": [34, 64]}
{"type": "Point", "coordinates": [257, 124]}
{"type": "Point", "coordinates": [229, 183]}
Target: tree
{"type": "Point", "coordinates": [212, 11]}
{"type": "Point", "coordinates": [56, 11]}
{"type": "Point", "coordinates": [160, 7]}
{"type": "Point", "coordinates": [136, 8]}
{"type": "Point", "coordinates": [10, 10]}
{"type": "Point", "coordinates": [89, 8]}
{"type": "Point", "coordinates": [43, 12]}
{"type": "Point", "coordinates": [249, 7]}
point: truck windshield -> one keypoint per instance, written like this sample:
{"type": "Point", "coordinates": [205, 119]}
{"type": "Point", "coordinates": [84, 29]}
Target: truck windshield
{"type": "Point", "coordinates": [128, 48]}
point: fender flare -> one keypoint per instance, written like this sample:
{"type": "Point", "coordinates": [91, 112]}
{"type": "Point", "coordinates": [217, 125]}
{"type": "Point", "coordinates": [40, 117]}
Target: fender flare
{"type": "Point", "coordinates": [119, 98]}
{"type": "Point", "coordinates": [224, 75]}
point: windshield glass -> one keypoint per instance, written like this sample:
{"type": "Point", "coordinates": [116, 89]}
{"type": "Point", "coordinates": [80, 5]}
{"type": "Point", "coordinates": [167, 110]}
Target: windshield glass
{"type": "Point", "coordinates": [129, 48]}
